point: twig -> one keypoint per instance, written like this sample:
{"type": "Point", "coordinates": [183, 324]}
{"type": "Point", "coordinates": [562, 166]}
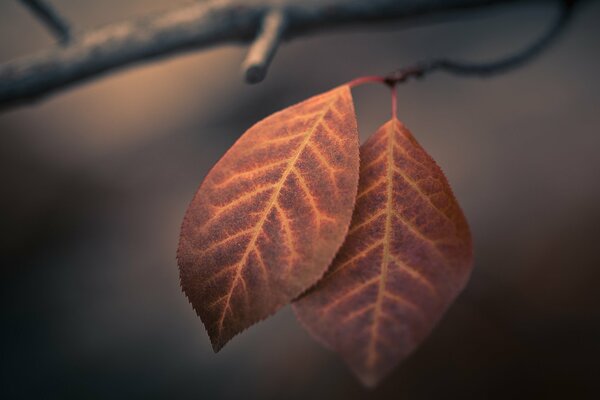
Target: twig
{"type": "Point", "coordinates": [495, 67]}
{"type": "Point", "coordinates": [265, 45]}
{"type": "Point", "coordinates": [50, 18]}
{"type": "Point", "coordinates": [195, 26]}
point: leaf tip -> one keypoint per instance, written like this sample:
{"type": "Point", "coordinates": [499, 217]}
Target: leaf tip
{"type": "Point", "coordinates": [218, 340]}
{"type": "Point", "coordinates": [216, 345]}
{"type": "Point", "coordinates": [368, 379]}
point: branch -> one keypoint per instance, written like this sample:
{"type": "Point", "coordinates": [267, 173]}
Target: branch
{"type": "Point", "coordinates": [264, 46]}
{"type": "Point", "coordinates": [499, 66]}
{"type": "Point", "coordinates": [50, 18]}
{"type": "Point", "coordinates": [193, 27]}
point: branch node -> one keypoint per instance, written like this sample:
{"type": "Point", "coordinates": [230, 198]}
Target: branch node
{"type": "Point", "coordinates": [50, 18]}
{"type": "Point", "coordinates": [264, 46]}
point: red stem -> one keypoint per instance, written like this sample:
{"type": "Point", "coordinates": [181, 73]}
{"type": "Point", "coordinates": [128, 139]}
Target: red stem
{"type": "Point", "coordinates": [391, 82]}
{"type": "Point", "coordinates": [366, 79]}
{"type": "Point", "coordinates": [394, 101]}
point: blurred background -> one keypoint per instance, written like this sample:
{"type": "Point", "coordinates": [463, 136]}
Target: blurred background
{"type": "Point", "coordinates": [95, 182]}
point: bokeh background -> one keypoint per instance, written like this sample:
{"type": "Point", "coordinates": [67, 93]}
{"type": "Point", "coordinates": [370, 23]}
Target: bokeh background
{"type": "Point", "coordinates": [95, 181]}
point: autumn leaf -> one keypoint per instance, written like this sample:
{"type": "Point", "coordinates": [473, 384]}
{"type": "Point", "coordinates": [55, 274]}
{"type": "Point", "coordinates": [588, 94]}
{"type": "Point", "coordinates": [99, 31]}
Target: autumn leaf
{"type": "Point", "coordinates": [407, 256]}
{"type": "Point", "coordinates": [270, 216]}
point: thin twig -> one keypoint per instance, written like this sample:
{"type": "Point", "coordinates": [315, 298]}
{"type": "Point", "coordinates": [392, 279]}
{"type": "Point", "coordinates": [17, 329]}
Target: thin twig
{"type": "Point", "coordinates": [50, 18]}
{"type": "Point", "coordinates": [265, 45]}
{"type": "Point", "coordinates": [495, 67]}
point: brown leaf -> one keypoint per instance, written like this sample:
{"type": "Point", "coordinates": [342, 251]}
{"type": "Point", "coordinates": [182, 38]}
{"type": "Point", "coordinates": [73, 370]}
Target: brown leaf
{"type": "Point", "coordinates": [270, 216]}
{"type": "Point", "coordinates": [407, 256]}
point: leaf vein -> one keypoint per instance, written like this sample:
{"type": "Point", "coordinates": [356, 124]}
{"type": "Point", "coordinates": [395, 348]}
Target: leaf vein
{"type": "Point", "coordinates": [366, 222]}
{"type": "Point", "coordinates": [268, 209]}
{"type": "Point", "coordinates": [357, 289]}
{"type": "Point", "coordinates": [421, 193]}
{"type": "Point", "coordinates": [237, 175]}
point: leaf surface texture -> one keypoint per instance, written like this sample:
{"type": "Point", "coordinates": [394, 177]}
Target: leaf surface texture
{"type": "Point", "coordinates": [270, 216]}
{"type": "Point", "coordinates": [407, 255]}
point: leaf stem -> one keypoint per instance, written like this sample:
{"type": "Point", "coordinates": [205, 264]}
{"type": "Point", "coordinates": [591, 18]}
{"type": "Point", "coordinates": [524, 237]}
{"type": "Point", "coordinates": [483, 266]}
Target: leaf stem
{"type": "Point", "coordinates": [394, 101]}
{"type": "Point", "coordinates": [366, 79]}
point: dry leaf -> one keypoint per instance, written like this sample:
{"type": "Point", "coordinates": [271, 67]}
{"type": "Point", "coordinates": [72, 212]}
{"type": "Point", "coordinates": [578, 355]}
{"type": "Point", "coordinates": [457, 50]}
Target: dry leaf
{"type": "Point", "coordinates": [270, 216]}
{"type": "Point", "coordinates": [407, 256]}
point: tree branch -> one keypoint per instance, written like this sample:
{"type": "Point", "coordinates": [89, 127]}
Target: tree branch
{"type": "Point", "coordinates": [264, 46]}
{"type": "Point", "coordinates": [193, 27]}
{"type": "Point", "coordinates": [50, 18]}
{"type": "Point", "coordinates": [495, 67]}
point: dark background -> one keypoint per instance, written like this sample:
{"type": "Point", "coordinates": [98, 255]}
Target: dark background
{"type": "Point", "coordinates": [95, 181]}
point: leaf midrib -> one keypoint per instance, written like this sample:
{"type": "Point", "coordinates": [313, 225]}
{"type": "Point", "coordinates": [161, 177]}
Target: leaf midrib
{"type": "Point", "coordinates": [371, 353]}
{"type": "Point", "coordinates": [272, 201]}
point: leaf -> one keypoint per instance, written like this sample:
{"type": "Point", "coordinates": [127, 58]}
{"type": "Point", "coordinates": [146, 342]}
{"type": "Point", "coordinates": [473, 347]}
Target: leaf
{"type": "Point", "coordinates": [407, 256]}
{"type": "Point", "coordinates": [270, 216]}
